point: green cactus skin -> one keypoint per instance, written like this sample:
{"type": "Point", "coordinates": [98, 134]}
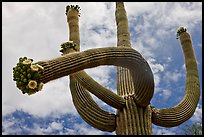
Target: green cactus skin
{"type": "Point", "coordinates": [73, 24]}
{"type": "Point", "coordinates": [174, 116]}
{"type": "Point", "coordinates": [125, 57]}
{"type": "Point", "coordinates": [99, 91]}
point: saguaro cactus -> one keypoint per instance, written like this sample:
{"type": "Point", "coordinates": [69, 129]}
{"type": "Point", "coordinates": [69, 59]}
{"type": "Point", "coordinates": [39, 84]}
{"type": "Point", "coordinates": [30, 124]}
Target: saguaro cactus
{"type": "Point", "coordinates": [135, 82]}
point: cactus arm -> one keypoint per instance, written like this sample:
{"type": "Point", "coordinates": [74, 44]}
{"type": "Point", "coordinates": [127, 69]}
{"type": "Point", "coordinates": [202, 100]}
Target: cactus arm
{"type": "Point", "coordinates": [73, 23]}
{"type": "Point", "coordinates": [123, 35]}
{"type": "Point", "coordinates": [89, 110]}
{"type": "Point", "coordinates": [83, 102]}
{"type": "Point", "coordinates": [71, 63]}
{"type": "Point", "coordinates": [85, 80]}
{"type": "Point", "coordinates": [74, 62]}
{"type": "Point", "coordinates": [101, 92]}
{"type": "Point", "coordinates": [170, 117]}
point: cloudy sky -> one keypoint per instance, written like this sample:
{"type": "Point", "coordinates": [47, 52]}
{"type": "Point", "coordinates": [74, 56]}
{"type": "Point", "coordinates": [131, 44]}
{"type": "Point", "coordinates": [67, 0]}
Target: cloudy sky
{"type": "Point", "coordinates": [36, 30]}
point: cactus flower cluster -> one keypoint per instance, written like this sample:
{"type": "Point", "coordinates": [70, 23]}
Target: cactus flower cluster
{"type": "Point", "coordinates": [68, 45]}
{"type": "Point", "coordinates": [26, 75]}
{"type": "Point", "coordinates": [180, 30]}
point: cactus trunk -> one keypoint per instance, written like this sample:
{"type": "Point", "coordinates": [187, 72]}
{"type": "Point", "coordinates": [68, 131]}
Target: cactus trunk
{"type": "Point", "coordinates": [132, 119]}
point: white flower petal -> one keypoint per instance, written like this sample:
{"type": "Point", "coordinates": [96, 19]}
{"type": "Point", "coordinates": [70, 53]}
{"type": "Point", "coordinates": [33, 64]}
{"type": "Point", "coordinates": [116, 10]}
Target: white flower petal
{"type": "Point", "coordinates": [32, 84]}
{"type": "Point", "coordinates": [40, 67]}
{"type": "Point", "coordinates": [34, 67]}
{"type": "Point", "coordinates": [27, 62]}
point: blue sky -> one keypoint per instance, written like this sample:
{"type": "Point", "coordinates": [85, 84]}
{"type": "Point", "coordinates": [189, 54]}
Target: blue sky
{"type": "Point", "coordinates": [36, 30]}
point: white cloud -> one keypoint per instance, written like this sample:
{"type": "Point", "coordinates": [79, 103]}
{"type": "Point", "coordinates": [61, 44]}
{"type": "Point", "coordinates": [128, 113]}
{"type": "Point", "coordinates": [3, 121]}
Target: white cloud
{"type": "Point", "coordinates": [157, 69]}
{"type": "Point", "coordinates": [55, 98]}
{"type": "Point", "coordinates": [83, 130]}
{"type": "Point", "coordinates": [101, 74]}
{"type": "Point", "coordinates": [169, 59]}
{"type": "Point", "coordinates": [53, 126]}
{"type": "Point", "coordinates": [197, 116]}
{"type": "Point", "coordinates": [163, 132]}
{"type": "Point", "coordinates": [173, 76]}
{"type": "Point", "coordinates": [165, 93]}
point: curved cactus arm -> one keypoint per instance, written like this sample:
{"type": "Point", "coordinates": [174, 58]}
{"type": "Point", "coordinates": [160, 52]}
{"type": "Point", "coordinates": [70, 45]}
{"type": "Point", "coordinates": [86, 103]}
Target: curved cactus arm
{"type": "Point", "coordinates": [89, 110]}
{"type": "Point", "coordinates": [71, 63]}
{"type": "Point", "coordinates": [125, 57]}
{"type": "Point", "coordinates": [99, 91]}
{"type": "Point", "coordinates": [175, 116]}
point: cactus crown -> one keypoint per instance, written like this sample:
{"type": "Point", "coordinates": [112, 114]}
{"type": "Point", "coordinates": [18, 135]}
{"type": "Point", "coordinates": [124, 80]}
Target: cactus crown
{"type": "Point", "coordinates": [180, 30]}
{"type": "Point", "coordinates": [68, 45]}
{"type": "Point", "coordinates": [74, 7]}
{"type": "Point", "coordinates": [26, 75]}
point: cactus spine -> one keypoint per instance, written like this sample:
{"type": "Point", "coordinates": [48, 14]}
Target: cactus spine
{"type": "Point", "coordinates": [135, 83]}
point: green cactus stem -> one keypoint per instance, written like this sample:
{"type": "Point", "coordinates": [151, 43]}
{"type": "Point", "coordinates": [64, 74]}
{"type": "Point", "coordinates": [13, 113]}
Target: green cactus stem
{"type": "Point", "coordinates": [125, 57]}
{"type": "Point", "coordinates": [174, 116]}
{"type": "Point", "coordinates": [99, 91]}
{"type": "Point", "coordinates": [89, 110]}
{"type": "Point", "coordinates": [73, 24]}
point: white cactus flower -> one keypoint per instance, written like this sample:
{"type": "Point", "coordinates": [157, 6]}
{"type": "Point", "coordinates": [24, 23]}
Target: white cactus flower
{"type": "Point", "coordinates": [34, 67]}
{"type": "Point", "coordinates": [27, 62]}
{"type": "Point", "coordinates": [40, 67]}
{"type": "Point", "coordinates": [32, 84]}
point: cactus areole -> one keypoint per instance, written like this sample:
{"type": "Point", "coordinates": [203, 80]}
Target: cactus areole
{"type": "Point", "coordinates": [135, 81]}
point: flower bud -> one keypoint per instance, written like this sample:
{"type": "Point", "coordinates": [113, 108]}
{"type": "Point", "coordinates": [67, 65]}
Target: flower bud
{"type": "Point", "coordinates": [29, 76]}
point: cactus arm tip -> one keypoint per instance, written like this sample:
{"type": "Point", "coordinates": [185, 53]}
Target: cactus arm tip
{"type": "Point", "coordinates": [179, 31]}
{"type": "Point", "coordinates": [73, 7]}
{"type": "Point", "coordinates": [26, 74]}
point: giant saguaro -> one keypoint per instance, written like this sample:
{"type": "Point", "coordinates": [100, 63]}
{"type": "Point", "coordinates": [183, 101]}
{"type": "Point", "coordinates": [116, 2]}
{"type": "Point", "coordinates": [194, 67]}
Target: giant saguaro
{"type": "Point", "coordinates": [135, 82]}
